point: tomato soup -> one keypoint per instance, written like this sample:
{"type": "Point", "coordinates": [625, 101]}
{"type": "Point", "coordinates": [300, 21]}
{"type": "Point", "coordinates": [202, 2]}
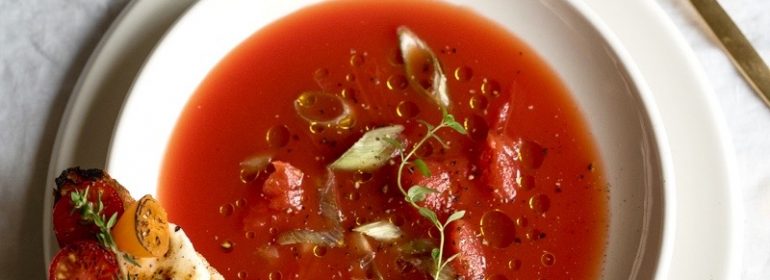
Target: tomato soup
{"type": "Point", "coordinates": [247, 172]}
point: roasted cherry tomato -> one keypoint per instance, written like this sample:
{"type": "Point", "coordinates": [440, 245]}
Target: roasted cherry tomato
{"type": "Point", "coordinates": [69, 226]}
{"type": "Point", "coordinates": [143, 230]}
{"type": "Point", "coordinates": [84, 260]}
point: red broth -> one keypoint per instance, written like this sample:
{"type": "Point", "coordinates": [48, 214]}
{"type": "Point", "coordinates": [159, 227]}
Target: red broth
{"type": "Point", "coordinates": [554, 228]}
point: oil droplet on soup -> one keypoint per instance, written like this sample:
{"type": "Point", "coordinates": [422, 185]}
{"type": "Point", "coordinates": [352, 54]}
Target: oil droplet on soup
{"type": "Point", "coordinates": [477, 127]}
{"type": "Point", "coordinates": [275, 275]}
{"type": "Point", "coordinates": [226, 210]}
{"type": "Point", "coordinates": [540, 203]}
{"type": "Point", "coordinates": [250, 235]}
{"type": "Point", "coordinates": [319, 251]}
{"type": "Point", "coordinates": [478, 102]}
{"type": "Point", "coordinates": [526, 182]}
{"type": "Point", "coordinates": [278, 136]}
{"type": "Point", "coordinates": [463, 73]}
{"type": "Point", "coordinates": [407, 109]}
{"type": "Point", "coordinates": [490, 87]}
{"type": "Point", "coordinates": [547, 259]}
{"type": "Point", "coordinates": [356, 59]}
{"type": "Point", "coordinates": [497, 229]}
{"type": "Point", "coordinates": [397, 82]}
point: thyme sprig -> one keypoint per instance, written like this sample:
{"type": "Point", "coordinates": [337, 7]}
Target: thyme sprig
{"type": "Point", "coordinates": [95, 214]}
{"type": "Point", "coordinates": [417, 193]}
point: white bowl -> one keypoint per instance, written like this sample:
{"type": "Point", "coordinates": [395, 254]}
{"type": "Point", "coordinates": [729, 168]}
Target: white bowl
{"type": "Point", "coordinates": [598, 73]}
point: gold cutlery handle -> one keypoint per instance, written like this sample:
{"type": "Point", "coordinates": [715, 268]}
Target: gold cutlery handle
{"type": "Point", "coordinates": [743, 55]}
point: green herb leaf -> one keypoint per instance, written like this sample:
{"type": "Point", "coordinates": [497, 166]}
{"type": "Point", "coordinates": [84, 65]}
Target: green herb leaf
{"type": "Point", "coordinates": [418, 193]}
{"type": "Point", "coordinates": [113, 220]}
{"type": "Point", "coordinates": [434, 254]}
{"type": "Point", "coordinates": [422, 167]}
{"type": "Point", "coordinates": [454, 217]}
{"type": "Point", "coordinates": [429, 214]}
{"type": "Point", "coordinates": [446, 117]}
{"type": "Point", "coordinates": [458, 127]}
{"type": "Point", "coordinates": [450, 121]}
{"type": "Point", "coordinates": [371, 151]}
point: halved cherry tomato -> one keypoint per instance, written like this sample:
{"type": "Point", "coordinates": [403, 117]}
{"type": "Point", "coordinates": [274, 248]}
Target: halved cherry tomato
{"type": "Point", "coordinates": [68, 224]}
{"type": "Point", "coordinates": [84, 260]}
{"type": "Point", "coordinates": [143, 230]}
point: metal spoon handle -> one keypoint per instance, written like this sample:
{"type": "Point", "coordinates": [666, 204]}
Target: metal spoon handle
{"type": "Point", "coordinates": [743, 55]}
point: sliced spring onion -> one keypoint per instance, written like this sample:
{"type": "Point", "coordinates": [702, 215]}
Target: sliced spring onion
{"type": "Point", "coordinates": [380, 230]}
{"type": "Point", "coordinates": [416, 53]}
{"type": "Point", "coordinates": [370, 268]}
{"type": "Point", "coordinates": [331, 238]}
{"type": "Point", "coordinates": [328, 202]}
{"type": "Point", "coordinates": [253, 166]}
{"type": "Point", "coordinates": [324, 109]}
{"type": "Point", "coordinates": [371, 151]}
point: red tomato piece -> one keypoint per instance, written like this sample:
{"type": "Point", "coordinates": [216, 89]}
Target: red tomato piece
{"type": "Point", "coordinates": [284, 187]}
{"type": "Point", "coordinates": [471, 263]}
{"type": "Point", "coordinates": [501, 165]}
{"type": "Point", "coordinates": [444, 179]}
{"type": "Point", "coordinates": [84, 260]}
{"type": "Point", "coordinates": [67, 222]}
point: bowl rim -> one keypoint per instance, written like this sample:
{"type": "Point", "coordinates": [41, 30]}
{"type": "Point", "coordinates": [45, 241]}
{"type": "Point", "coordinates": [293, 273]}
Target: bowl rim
{"type": "Point", "coordinates": [660, 139]}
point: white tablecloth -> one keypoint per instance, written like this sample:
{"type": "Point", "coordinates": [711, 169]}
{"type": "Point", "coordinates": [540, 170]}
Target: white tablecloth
{"type": "Point", "coordinates": [44, 45]}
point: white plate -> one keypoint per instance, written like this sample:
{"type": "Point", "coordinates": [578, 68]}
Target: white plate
{"type": "Point", "coordinates": [694, 259]}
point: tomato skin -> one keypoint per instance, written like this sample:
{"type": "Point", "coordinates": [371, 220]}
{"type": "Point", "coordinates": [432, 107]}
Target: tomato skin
{"type": "Point", "coordinates": [84, 260]}
{"type": "Point", "coordinates": [68, 225]}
